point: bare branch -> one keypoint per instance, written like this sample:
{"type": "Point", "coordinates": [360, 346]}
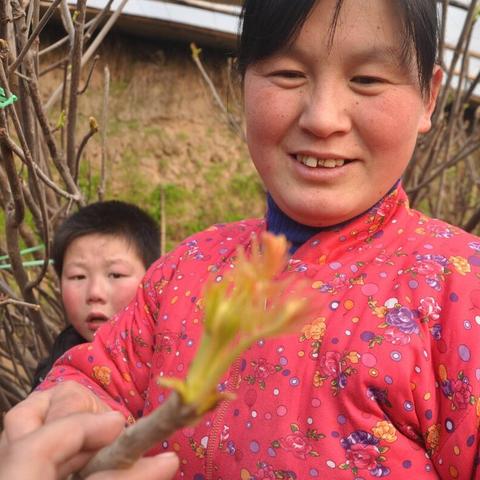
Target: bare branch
{"type": "Point", "coordinates": [91, 49]}
{"type": "Point", "coordinates": [74, 82]}
{"type": "Point", "coordinates": [34, 35]}
{"type": "Point", "coordinates": [67, 21]}
{"type": "Point", "coordinates": [18, 206]}
{"type": "Point", "coordinates": [93, 130]}
{"type": "Point", "coordinates": [26, 158]}
{"type": "Point", "coordinates": [230, 119]}
{"type": "Point", "coordinates": [62, 41]}
{"type": "Point", "coordinates": [19, 303]}
{"type": "Point", "coordinates": [450, 163]}
{"type": "Point", "coordinates": [103, 169]}
{"type": "Point", "coordinates": [89, 77]}
{"type": "Point", "coordinates": [57, 64]}
{"type": "Point", "coordinates": [456, 55]}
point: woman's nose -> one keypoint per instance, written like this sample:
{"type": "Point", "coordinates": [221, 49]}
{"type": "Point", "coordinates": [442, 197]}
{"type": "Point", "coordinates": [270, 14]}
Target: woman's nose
{"type": "Point", "coordinates": [326, 112]}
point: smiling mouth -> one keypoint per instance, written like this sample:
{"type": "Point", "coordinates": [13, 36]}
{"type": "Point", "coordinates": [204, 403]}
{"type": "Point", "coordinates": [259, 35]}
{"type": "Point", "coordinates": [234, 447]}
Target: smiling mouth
{"type": "Point", "coordinates": [313, 162]}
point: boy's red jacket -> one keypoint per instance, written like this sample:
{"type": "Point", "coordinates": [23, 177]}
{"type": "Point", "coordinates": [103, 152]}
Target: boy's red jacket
{"type": "Point", "coordinates": [383, 382]}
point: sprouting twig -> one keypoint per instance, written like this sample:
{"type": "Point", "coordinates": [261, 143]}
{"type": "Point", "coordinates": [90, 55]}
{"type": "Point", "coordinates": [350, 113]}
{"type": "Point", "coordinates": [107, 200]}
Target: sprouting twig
{"type": "Point", "coordinates": [236, 315]}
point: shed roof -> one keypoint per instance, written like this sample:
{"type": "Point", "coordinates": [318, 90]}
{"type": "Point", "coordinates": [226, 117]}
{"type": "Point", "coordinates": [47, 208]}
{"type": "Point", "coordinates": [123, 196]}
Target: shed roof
{"type": "Point", "coordinates": [216, 23]}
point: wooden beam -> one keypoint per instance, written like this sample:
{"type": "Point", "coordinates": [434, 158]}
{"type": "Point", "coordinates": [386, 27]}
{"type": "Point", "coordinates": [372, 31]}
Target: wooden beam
{"type": "Point", "coordinates": [471, 53]}
{"type": "Point", "coordinates": [231, 8]}
{"type": "Point", "coordinates": [455, 3]}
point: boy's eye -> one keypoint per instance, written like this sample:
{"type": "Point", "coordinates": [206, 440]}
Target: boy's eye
{"type": "Point", "coordinates": [116, 275]}
{"type": "Point", "coordinates": [76, 277]}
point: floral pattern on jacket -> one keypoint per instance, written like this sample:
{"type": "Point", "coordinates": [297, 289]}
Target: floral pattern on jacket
{"type": "Point", "coordinates": [383, 382]}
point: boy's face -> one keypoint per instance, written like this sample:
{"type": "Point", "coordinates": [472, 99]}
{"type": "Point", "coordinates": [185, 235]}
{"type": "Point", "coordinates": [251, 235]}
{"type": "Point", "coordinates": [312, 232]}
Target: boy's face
{"type": "Point", "coordinates": [100, 276]}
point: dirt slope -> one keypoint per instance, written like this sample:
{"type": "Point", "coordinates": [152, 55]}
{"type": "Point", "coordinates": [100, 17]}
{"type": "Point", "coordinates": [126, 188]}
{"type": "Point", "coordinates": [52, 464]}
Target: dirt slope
{"type": "Point", "coordinates": [164, 128]}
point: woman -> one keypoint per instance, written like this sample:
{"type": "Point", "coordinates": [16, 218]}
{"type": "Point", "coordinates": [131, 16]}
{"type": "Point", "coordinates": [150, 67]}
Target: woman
{"type": "Point", "coordinates": [383, 382]}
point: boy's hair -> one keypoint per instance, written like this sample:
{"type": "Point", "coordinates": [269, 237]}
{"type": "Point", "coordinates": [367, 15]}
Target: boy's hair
{"type": "Point", "coordinates": [112, 217]}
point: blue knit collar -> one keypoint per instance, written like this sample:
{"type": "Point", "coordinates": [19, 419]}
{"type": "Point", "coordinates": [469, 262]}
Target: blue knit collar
{"type": "Point", "coordinates": [297, 234]}
{"type": "Point", "coordinates": [280, 223]}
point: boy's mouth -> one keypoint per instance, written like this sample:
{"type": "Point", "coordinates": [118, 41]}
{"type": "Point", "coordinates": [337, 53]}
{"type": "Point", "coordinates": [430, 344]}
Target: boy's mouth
{"type": "Point", "coordinates": [95, 320]}
{"type": "Point", "coordinates": [314, 162]}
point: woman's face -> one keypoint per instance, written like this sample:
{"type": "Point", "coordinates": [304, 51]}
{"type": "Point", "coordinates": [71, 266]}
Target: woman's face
{"type": "Point", "coordinates": [330, 129]}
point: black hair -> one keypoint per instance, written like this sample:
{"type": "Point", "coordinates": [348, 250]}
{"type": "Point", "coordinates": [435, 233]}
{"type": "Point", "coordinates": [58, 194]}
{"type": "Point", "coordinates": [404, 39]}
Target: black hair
{"type": "Point", "coordinates": [270, 25]}
{"type": "Point", "coordinates": [113, 217]}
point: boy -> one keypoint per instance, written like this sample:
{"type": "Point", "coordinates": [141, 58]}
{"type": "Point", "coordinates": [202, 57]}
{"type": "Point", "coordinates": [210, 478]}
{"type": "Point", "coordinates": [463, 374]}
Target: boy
{"type": "Point", "coordinates": [100, 254]}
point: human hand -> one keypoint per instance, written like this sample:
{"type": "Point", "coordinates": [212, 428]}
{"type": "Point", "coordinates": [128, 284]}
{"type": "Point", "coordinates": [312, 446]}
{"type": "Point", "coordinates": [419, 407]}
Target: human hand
{"type": "Point", "coordinates": [43, 407]}
{"type": "Point", "coordinates": [63, 446]}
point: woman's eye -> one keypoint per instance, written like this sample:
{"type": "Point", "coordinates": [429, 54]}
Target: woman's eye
{"type": "Point", "coordinates": [287, 78]}
{"type": "Point", "coordinates": [289, 74]}
{"type": "Point", "coordinates": [365, 80]}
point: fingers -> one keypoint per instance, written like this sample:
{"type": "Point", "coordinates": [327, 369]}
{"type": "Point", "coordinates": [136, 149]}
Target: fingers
{"type": "Point", "coordinates": [61, 439]}
{"type": "Point", "coordinates": [87, 433]}
{"type": "Point", "coordinates": [26, 416]}
{"type": "Point", "coordinates": [65, 445]}
{"type": "Point", "coordinates": [43, 407]}
{"type": "Point", "coordinates": [59, 448]}
{"type": "Point", "coordinates": [160, 467]}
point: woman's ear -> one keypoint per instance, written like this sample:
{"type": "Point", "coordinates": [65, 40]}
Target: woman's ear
{"type": "Point", "coordinates": [431, 100]}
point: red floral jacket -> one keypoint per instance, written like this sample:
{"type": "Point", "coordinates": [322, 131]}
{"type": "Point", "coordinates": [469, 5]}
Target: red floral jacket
{"type": "Point", "coordinates": [383, 382]}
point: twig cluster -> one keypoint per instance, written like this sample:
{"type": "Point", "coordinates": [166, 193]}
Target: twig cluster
{"type": "Point", "coordinates": [443, 178]}
{"type": "Point", "coordinates": [39, 171]}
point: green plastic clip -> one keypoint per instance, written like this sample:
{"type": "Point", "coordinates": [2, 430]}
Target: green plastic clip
{"type": "Point", "coordinates": [4, 101]}
{"type": "Point", "coordinates": [30, 263]}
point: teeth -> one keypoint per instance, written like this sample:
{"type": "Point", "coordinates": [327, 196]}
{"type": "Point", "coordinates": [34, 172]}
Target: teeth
{"type": "Point", "coordinates": [310, 161]}
{"type": "Point", "coordinates": [313, 162]}
{"type": "Point", "coordinates": [327, 163]}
